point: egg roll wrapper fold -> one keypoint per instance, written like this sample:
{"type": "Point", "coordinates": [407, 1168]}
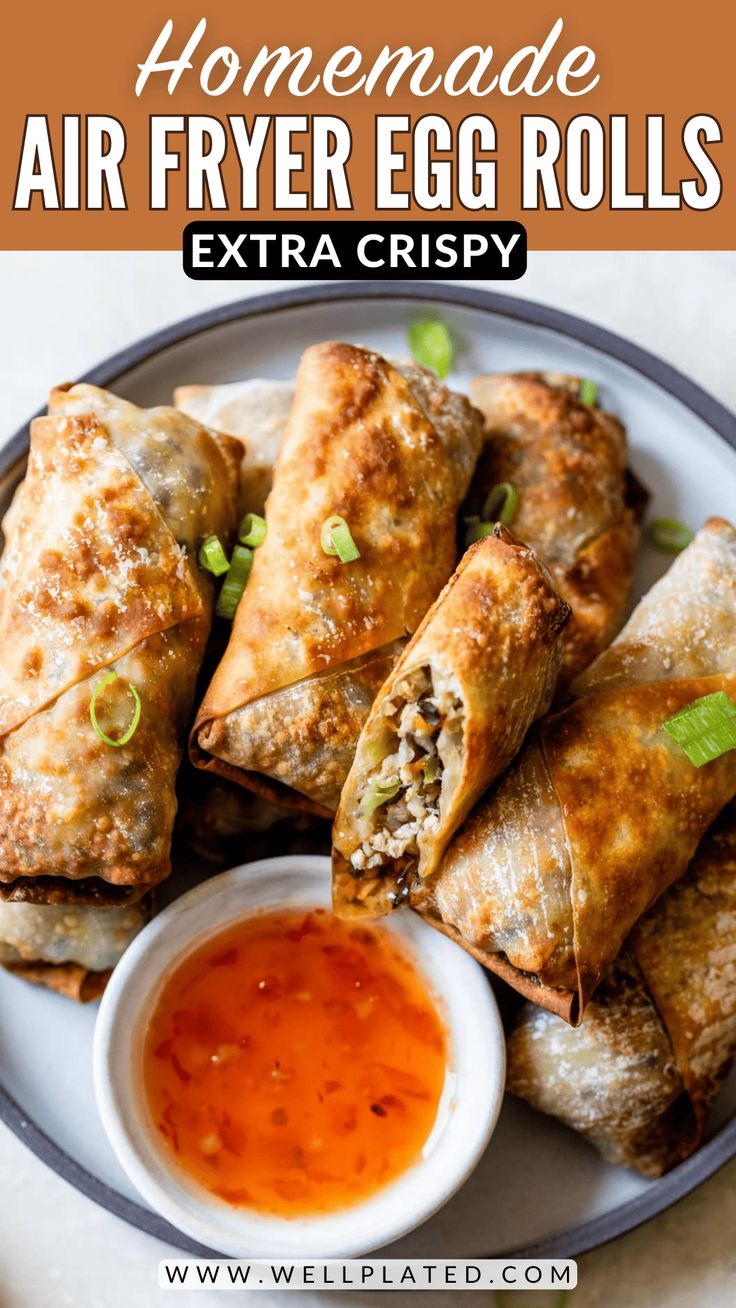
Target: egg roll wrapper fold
{"type": "Point", "coordinates": [391, 451]}
{"type": "Point", "coordinates": [100, 574]}
{"type": "Point", "coordinates": [487, 656]}
{"type": "Point", "coordinates": [302, 738]}
{"type": "Point", "coordinates": [602, 810]}
{"type": "Point", "coordinates": [639, 1077]}
{"type": "Point", "coordinates": [567, 462]}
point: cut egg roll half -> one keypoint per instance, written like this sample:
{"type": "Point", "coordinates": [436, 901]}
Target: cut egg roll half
{"type": "Point", "coordinates": [450, 718]}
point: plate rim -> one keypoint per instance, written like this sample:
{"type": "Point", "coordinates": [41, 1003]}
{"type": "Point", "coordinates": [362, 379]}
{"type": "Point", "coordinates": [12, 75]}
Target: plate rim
{"type": "Point", "coordinates": [584, 1236]}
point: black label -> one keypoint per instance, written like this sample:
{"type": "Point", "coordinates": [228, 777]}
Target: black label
{"type": "Point", "coordinates": [273, 251]}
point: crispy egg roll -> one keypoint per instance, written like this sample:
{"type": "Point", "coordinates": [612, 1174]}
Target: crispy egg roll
{"type": "Point", "coordinates": [481, 666]}
{"type": "Point", "coordinates": [100, 575]}
{"type": "Point", "coordinates": [638, 1078]}
{"type": "Point", "coordinates": [567, 462]}
{"type": "Point", "coordinates": [390, 450]}
{"type": "Point", "coordinates": [256, 411]}
{"type": "Point", "coordinates": [68, 948]}
{"type": "Point", "coordinates": [602, 810]}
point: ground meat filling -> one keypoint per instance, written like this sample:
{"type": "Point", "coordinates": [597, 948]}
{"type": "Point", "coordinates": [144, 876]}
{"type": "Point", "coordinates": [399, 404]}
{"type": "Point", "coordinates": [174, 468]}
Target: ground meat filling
{"type": "Point", "coordinates": [427, 720]}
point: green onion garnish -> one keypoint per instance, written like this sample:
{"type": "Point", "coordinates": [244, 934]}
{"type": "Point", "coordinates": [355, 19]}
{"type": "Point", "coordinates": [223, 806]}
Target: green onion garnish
{"type": "Point", "coordinates": [380, 793]}
{"type": "Point", "coordinates": [477, 530]}
{"type": "Point", "coordinates": [336, 539]}
{"type": "Point", "coordinates": [501, 502]}
{"type": "Point", "coordinates": [235, 582]}
{"type": "Point", "coordinates": [212, 556]}
{"type": "Point", "coordinates": [252, 530]}
{"type": "Point", "coordinates": [706, 728]}
{"type": "Point", "coordinates": [431, 346]}
{"type": "Point", "coordinates": [131, 729]}
{"type": "Point", "coordinates": [588, 391]}
{"type": "Point", "coordinates": [669, 534]}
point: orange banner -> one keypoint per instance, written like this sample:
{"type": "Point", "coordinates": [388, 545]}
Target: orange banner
{"type": "Point", "coordinates": [596, 126]}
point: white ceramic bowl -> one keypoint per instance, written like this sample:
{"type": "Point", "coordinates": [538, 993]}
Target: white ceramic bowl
{"type": "Point", "coordinates": [468, 1109]}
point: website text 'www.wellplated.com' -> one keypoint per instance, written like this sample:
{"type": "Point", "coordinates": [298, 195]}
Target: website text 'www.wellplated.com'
{"type": "Point", "coordinates": [359, 1274]}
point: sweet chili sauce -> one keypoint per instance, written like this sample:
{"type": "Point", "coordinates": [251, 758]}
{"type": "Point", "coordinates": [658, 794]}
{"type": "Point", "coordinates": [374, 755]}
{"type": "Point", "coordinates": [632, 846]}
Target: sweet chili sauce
{"type": "Point", "coordinates": [295, 1063]}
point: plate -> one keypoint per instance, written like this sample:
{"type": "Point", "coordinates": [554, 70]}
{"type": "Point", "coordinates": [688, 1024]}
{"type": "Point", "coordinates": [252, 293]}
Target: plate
{"type": "Point", "coordinates": [539, 1190]}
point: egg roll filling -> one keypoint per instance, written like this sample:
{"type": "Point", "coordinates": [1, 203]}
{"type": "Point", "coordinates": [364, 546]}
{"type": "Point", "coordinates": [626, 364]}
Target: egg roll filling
{"type": "Point", "coordinates": [423, 727]}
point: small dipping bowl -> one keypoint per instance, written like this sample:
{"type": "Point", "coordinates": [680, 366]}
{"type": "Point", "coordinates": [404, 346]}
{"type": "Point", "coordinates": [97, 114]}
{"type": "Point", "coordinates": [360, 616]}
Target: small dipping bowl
{"type": "Point", "coordinates": [467, 1112]}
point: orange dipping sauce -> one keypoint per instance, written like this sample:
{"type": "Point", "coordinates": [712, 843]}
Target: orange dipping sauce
{"type": "Point", "coordinates": [295, 1063]}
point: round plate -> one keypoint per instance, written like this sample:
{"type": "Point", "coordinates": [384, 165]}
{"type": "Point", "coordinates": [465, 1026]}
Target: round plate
{"type": "Point", "coordinates": [682, 448]}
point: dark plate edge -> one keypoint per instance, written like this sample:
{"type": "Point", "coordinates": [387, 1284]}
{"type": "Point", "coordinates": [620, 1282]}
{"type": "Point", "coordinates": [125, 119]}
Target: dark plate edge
{"type": "Point", "coordinates": [718, 1151]}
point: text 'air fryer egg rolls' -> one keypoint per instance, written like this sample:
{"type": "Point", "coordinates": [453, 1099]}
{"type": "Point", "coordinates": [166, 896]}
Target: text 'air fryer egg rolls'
{"type": "Point", "coordinates": [449, 719]}
{"type": "Point", "coordinates": [566, 461]}
{"type": "Point", "coordinates": [602, 810]}
{"type": "Point", "coordinates": [639, 1076]}
{"type": "Point", "coordinates": [391, 451]}
{"type": "Point", "coordinates": [100, 576]}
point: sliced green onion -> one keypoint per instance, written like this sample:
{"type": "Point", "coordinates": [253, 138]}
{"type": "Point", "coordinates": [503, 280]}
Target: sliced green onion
{"type": "Point", "coordinates": [235, 582]}
{"type": "Point", "coordinates": [501, 502]}
{"type": "Point", "coordinates": [477, 530]}
{"type": "Point", "coordinates": [430, 769]}
{"type": "Point", "coordinates": [431, 346]}
{"type": "Point", "coordinates": [380, 793]}
{"type": "Point", "coordinates": [588, 391]}
{"type": "Point", "coordinates": [336, 539]}
{"type": "Point", "coordinates": [706, 728]}
{"type": "Point", "coordinates": [212, 556]}
{"type": "Point", "coordinates": [669, 534]}
{"type": "Point", "coordinates": [252, 530]}
{"type": "Point", "coordinates": [133, 725]}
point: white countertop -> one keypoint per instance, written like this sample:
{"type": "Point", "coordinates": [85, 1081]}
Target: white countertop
{"type": "Point", "coordinates": [62, 313]}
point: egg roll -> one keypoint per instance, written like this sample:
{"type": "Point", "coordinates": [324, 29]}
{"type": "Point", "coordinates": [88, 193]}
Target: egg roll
{"type": "Point", "coordinates": [567, 463]}
{"type": "Point", "coordinates": [481, 666]}
{"type": "Point", "coordinates": [256, 411]}
{"type": "Point", "coordinates": [100, 576]}
{"type": "Point", "coordinates": [67, 948]}
{"type": "Point", "coordinates": [639, 1077]}
{"type": "Point", "coordinates": [602, 810]}
{"type": "Point", "coordinates": [391, 451]}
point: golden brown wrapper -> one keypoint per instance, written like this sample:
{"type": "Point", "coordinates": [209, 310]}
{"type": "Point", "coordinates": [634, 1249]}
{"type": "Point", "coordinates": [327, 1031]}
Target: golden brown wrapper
{"type": "Point", "coordinates": [602, 810]}
{"type": "Point", "coordinates": [391, 450]}
{"type": "Point", "coordinates": [489, 649]}
{"type": "Point", "coordinates": [567, 462]}
{"type": "Point", "coordinates": [639, 1077]}
{"type": "Point", "coordinates": [100, 574]}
